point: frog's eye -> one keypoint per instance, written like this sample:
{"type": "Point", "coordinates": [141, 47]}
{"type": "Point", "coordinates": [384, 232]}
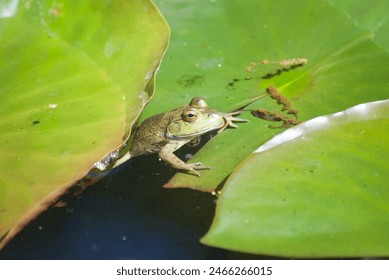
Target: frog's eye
{"type": "Point", "coordinates": [190, 115]}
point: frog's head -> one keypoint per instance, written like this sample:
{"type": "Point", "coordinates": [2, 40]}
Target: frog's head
{"type": "Point", "coordinates": [193, 120]}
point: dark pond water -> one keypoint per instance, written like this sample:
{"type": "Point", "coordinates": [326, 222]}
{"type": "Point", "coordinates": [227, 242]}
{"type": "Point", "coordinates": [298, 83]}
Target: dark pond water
{"type": "Point", "coordinates": [127, 215]}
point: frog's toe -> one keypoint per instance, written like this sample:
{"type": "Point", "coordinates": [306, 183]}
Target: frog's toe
{"type": "Point", "coordinates": [194, 172]}
{"type": "Point", "coordinates": [198, 166]}
{"type": "Point", "coordinates": [238, 119]}
{"type": "Point", "coordinates": [231, 119]}
{"type": "Point", "coordinates": [192, 167]}
{"type": "Point", "coordinates": [235, 113]}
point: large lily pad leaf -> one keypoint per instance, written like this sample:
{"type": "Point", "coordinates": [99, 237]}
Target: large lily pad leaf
{"type": "Point", "coordinates": [212, 42]}
{"type": "Point", "coordinates": [368, 16]}
{"type": "Point", "coordinates": [73, 78]}
{"type": "Point", "coordinates": [316, 190]}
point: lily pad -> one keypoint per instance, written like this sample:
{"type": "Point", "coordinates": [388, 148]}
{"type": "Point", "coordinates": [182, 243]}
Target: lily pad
{"type": "Point", "coordinates": [74, 76]}
{"type": "Point", "coordinates": [213, 41]}
{"type": "Point", "coordinates": [316, 190]}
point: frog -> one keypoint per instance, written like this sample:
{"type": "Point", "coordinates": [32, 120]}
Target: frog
{"type": "Point", "coordinates": [167, 132]}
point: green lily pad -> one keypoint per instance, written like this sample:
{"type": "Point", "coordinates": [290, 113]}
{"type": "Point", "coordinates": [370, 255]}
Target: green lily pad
{"type": "Point", "coordinates": [74, 76]}
{"type": "Point", "coordinates": [317, 190]}
{"type": "Point", "coordinates": [368, 16]}
{"type": "Point", "coordinates": [212, 42]}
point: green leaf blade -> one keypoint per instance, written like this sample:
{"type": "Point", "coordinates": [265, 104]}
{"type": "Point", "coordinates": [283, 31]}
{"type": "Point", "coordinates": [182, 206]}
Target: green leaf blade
{"type": "Point", "coordinates": [74, 77]}
{"type": "Point", "coordinates": [346, 67]}
{"type": "Point", "coordinates": [320, 194]}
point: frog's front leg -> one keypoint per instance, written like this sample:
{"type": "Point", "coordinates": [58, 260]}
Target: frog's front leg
{"type": "Point", "coordinates": [166, 154]}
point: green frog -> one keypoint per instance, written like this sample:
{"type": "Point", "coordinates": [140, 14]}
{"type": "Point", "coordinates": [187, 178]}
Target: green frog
{"type": "Point", "coordinates": [167, 132]}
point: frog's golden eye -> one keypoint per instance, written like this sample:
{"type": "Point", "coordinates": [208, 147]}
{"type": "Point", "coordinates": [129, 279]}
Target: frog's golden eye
{"type": "Point", "coordinates": [190, 115]}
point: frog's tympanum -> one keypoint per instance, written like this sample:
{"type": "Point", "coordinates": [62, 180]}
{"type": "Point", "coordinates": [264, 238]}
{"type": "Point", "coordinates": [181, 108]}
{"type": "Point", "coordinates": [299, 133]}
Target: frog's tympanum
{"type": "Point", "coordinates": [167, 132]}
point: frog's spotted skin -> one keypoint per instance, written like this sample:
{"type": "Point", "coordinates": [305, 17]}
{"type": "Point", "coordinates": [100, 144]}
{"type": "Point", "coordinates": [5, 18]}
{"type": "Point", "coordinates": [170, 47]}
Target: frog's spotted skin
{"type": "Point", "coordinates": [167, 132]}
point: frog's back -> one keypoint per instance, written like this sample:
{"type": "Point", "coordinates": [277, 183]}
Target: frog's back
{"type": "Point", "coordinates": [150, 136]}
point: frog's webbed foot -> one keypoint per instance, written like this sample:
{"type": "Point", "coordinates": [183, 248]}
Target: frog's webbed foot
{"type": "Point", "coordinates": [196, 166]}
{"type": "Point", "coordinates": [166, 154]}
{"type": "Point", "coordinates": [230, 119]}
